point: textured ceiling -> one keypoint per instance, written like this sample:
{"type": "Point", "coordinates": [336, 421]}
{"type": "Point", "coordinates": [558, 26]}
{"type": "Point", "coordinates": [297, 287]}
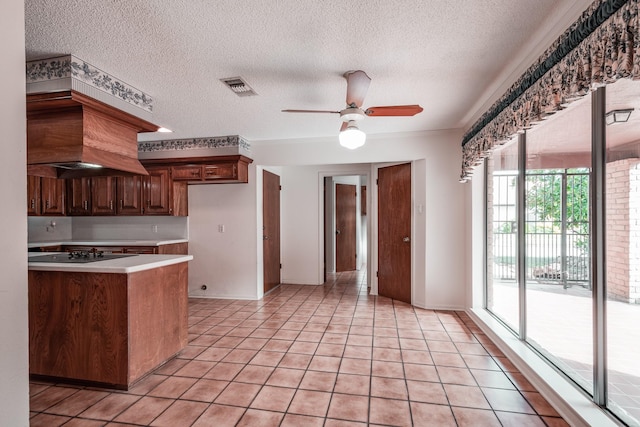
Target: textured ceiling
{"type": "Point", "coordinates": [450, 57]}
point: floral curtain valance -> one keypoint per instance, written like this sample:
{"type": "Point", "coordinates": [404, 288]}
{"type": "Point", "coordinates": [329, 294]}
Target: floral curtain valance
{"type": "Point", "coordinates": [599, 48]}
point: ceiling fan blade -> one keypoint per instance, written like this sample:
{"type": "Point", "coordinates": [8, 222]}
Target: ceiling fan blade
{"type": "Point", "coordinates": [394, 110]}
{"type": "Point", "coordinates": [344, 126]}
{"type": "Point", "coordinates": [357, 87]}
{"type": "Point", "coordinates": [310, 111]}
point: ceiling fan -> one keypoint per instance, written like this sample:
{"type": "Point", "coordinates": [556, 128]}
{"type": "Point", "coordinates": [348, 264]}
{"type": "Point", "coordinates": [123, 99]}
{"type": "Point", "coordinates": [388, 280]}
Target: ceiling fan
{"type": "Point", "coordinates": [357, 86]}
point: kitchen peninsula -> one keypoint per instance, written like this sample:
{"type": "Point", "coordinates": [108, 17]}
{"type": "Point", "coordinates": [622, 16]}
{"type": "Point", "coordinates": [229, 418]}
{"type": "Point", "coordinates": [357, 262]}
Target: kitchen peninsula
{"type": "Point", "coordinates": [108, 322]}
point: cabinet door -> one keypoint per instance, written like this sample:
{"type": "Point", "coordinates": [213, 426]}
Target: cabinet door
{"type": "Point", "coordinates": [33, 195]}
{"type": "Point", "coordinates": [158, 190]}
{"type": "Point", "coordinates": [103, 195]}
{"type": "Point", "coordinates": [129, 195]}
{"type": "Point", "coordinates": [52, 196]}
{"type": "Point", "coordinates": [79, 196]}
{"type": "Point", "coordinates": [224, 171]}
{"type": "Point", "coordinates": [186, 173]}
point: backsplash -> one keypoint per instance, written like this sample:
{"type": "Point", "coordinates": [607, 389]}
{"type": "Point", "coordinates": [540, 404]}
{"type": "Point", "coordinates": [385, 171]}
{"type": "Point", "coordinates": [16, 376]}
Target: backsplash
{"type": "Point", "coordinates": [108, 228]}
{"type": "Point", "coordinates": [49, 228]}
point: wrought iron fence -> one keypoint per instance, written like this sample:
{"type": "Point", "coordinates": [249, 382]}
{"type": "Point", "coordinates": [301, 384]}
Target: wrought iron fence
{"type": "Point", "coordinates": [556, 227]}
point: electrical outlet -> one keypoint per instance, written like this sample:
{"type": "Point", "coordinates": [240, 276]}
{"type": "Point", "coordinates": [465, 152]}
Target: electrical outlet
{"type": "Point", "coordinates": [154, 228]}
{"type": "Point", "coordinates": [221, 228]}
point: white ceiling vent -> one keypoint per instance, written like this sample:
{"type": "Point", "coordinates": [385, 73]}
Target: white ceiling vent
{"type": "Point", "coordinates": [238, 86]}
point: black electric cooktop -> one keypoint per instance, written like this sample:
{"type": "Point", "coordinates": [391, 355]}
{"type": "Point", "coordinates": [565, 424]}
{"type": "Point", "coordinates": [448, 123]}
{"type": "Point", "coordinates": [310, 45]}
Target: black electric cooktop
{"type": "Point", "coordinates": [74, 258]}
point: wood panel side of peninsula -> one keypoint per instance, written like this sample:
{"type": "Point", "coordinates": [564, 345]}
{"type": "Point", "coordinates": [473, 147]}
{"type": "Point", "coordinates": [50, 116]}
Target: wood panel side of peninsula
{"type": "Point", "coordinates": [106, 328]}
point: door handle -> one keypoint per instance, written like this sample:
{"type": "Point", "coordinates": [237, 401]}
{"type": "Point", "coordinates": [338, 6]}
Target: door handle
{"type": "Point", "coordinates": [406, 239]}
{"type": "Point", "coordinates": [337, 232]}
{"type": "Point", "coordinates": [265, 237]}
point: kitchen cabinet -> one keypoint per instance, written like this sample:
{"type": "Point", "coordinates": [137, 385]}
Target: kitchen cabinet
{"type": "Point", "coordinates": [103, 194]}
{"type": "Point", "coordinates": [106, 329]}
{"type": "Point", "coordinates": [153, 194]}
{"type": "Point", "coordinates": [79, 196]}
{"type": "Point", "coordinates": [206, 170]}
{"type": "Point", "coordinates": [91, 196]}
{"type": "Point", "coordinates": [157, 192]}
{"type": "Point", "coordinates": [129, 195]}
{"type": "Point", "coordinates": [45, 196]}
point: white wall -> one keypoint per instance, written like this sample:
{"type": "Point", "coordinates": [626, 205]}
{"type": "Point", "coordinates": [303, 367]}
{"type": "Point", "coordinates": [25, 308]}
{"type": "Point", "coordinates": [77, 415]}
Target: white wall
{"type": "Point", "coordinates": [14, 347]}
{"type": "Point", "coordinates": [227, 262]}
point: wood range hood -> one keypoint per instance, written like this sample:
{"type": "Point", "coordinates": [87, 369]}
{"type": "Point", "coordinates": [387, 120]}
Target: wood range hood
{"type": "Point", "coordinates": [72, 135]}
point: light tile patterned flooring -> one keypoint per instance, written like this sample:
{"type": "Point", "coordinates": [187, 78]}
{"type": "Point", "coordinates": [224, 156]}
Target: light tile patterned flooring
{"type": "Point", "coordinates": [326, 355]}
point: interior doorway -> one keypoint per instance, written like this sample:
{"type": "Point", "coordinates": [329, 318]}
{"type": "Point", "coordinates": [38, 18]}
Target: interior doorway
{"type": "Point", "coordinates": [345, 202]}
{"type": "Point", "coordinates": [344, 216]}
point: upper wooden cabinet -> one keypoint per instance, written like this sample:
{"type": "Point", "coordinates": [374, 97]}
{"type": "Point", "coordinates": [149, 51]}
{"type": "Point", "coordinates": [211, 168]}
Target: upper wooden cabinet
{"type": "Point", "coordinates": [129, 195]}
{"type": "Point", "coordinates": [157, 192]}
{"type": "Point", "coordinates": [91, 196]}
{"type": "Point", "coordinates": [206, 170]}
{"type": "Point", "coordinates": [153, 194]}
{"type": "Point", "coordinates": [45, 196]}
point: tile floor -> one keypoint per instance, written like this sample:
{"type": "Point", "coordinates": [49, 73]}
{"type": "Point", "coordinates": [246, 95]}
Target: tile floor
{"type": "Point", "coordinates": [326, 355]}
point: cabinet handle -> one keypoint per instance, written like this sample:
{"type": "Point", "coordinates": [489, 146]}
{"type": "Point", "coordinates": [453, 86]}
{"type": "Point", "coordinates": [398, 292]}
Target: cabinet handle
{"type": "Point", "coordinates": [86, 205]}
{"type": "Point", "coordinates": [110, 205]}
{"type": "Point", "coordinates": [121, 204]}
{"type": "Point", "coordinates": [46, 204]}
{"type": "Point", "coordinates": [33, 203]}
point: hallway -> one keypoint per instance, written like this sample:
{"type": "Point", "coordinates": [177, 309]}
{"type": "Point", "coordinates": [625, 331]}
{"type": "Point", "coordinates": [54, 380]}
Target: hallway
{"type": "Point", "coordinates": [326, 355]}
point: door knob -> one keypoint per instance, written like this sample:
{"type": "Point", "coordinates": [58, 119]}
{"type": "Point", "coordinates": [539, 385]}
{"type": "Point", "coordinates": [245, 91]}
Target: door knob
{"type": "Point", "coordinates": [265, 237]}
{"type": "Point", "coordinates": [406, 239]}
{"type": "Point", "coordinates": [337, 231]}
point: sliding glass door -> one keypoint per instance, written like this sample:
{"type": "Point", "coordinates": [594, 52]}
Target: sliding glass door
{"type": "Point", "coordinates": [563, 243]}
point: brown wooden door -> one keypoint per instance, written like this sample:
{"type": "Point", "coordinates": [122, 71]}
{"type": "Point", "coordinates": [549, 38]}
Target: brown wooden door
{"type": "Point", "coordinates": [271, 229]}
{"type": "Point", "coordinates": [346, 196]}
{"type": "Point", "coordinates": [79, 196]}
{"type": "Point", "coordinates": [33, 195]}
{"type": "Point", "coordinates": [157, 192]}
{"type": "Point", "coordinates": [394, 232]}
{"type": "Point", "coordinates": [129, 195]}
{"type": "Point", "coordinates": [103, 195]}
{"type": "Point", "coordinates": [52, 196]}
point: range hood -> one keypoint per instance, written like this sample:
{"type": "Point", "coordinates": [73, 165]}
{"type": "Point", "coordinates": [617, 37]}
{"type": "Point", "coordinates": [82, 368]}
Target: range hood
{"type": "Point", "coordinates": [71, 135]}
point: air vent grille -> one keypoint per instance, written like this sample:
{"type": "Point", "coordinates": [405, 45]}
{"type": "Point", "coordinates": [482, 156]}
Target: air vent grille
{"type": "Point", "coordinates": [238, 86]}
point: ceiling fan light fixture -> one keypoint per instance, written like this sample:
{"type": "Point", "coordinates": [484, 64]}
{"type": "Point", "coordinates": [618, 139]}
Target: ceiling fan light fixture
{"type": "Point", "coordinates": [352, 137]}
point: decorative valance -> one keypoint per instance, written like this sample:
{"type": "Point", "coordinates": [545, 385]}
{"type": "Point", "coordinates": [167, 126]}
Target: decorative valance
{"type": "Point", "coordinates": [602, 46]}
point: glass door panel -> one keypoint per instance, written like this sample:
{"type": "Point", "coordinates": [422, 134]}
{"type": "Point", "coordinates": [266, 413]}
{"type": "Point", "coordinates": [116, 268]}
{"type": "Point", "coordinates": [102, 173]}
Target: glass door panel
{"type": "Point", "coordinates": [622, 201]}
{"type": "Point", "coordinates": [558, 286]}
{"type": "Point", "coordinates": [502, 279]}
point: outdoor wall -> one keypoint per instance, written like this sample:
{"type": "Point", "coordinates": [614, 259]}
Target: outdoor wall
{"type": "Point", "coordinates": [226, 262]}
{"type": "Point", "coordinates": [623, 230]}
{"type": "Point", "coordinates": [14, 347]}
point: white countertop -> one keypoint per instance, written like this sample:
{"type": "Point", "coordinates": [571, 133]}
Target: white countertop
{"type": "Point", "coordinates": [107, 243]}
{"type": "Point", "coordinates": [129, 264]}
